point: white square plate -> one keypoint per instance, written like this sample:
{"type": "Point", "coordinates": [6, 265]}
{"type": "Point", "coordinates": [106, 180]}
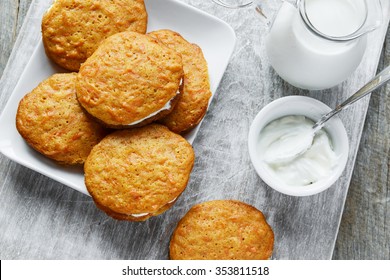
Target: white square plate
{"type": "Point", "coordinates": [215, 37]}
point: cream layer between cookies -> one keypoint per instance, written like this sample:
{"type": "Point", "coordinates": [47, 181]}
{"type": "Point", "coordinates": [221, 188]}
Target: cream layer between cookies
{"type": "Point", "coordinates": [145, 214]}
{"type": "Point", "coordinates": [167, 106]}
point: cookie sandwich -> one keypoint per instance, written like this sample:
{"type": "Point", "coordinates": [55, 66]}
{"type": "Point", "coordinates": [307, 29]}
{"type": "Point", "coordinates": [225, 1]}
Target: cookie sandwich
{"type": "Point", "coordinates": [73, 29]}
{"type": "Point", "coordinates": [52, 122]}
{"type": "Point", "coordinates": [222, 230]}
{"type": "Point", "coordinates": [194, 100]}
{"type": "Point", "coordinates": [130, 80]}
{"type": "Point", "coordinates": [138, 173]}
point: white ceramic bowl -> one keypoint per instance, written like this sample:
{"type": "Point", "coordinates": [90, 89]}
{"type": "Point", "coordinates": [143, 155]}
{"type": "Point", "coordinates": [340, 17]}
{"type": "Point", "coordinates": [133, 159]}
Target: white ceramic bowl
{"type": "Point", "coordinates": [313, 109]}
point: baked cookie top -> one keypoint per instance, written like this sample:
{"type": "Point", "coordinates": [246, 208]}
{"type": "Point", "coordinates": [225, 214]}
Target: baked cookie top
{"type": "Point", "coordinates": [193, 102]}
{"type": "Point", "coordinates": [138, 171]}
{"type": "Point", "coordinates": [73, 29]}
{"type": "Point", "coordinates": [50, 119]}
{"type": "Point", "coordinates": [129, 77]}
{"type": "Point", "coordinates": [222, 229]}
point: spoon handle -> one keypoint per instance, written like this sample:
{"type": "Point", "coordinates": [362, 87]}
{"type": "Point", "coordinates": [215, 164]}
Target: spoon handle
{"type": "Point", "coordinates": [376, 82]}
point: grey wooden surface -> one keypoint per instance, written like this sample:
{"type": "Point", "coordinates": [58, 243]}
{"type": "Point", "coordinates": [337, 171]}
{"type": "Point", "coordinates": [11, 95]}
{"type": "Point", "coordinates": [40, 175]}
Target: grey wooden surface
{"type": "Point", "coordinates": [42, 219]}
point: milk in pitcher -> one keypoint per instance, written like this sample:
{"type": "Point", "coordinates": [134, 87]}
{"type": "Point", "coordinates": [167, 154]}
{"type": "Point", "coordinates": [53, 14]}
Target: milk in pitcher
{"type": "Point", "coordinates": [313, 47]}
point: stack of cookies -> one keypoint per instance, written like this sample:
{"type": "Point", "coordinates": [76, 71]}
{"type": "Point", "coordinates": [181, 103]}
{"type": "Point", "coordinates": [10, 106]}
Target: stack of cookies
{"type": "Point", "coordinates": [103, 114]}
{"type": "Point", "coordinates": [121, 112]}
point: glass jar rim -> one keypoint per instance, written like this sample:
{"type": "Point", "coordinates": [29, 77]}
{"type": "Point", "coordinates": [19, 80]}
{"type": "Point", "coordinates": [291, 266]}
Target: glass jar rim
{"type": "Point", "coordinates": [301, 5]}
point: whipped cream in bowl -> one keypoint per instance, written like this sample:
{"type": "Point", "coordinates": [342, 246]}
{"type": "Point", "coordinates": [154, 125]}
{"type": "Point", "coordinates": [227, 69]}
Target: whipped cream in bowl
{"type": "Point", "coordinates": [280, 130]}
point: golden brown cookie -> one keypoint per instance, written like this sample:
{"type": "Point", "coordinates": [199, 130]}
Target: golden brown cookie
{"type": "Point", "coordinates": [138, 173]}
{"type": "Point", "coordinates": [130, 80]}
{"type": "Point", "coordinates": [220, 230]}
{"type": "Point", "coordinates": [52, 122]}
{"type": "Point", "coordinates": [193, 102]}
{"type": "Point", "coordinates": [73, 29]}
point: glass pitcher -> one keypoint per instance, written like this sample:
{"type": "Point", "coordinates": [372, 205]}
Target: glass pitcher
{"type": "Point", "coordinates": [317, 44]}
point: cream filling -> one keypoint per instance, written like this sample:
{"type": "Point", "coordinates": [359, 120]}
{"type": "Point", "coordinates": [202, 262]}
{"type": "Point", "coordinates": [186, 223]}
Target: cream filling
{"type": "Point", "coordinates": [167, 106]}
{"type": "Point", "coordinates": [139, 215]}
{"type": "Point", "coordinates": [145, 214]}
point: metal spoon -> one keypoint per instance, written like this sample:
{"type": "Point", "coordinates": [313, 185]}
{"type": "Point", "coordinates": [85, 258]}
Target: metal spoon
{"type": "Point", "coordinates": [306, 140]}
{"type": "Point", "coordinates": [299, 143]}
{"type": "Point", "coordinates": [376, 82]}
